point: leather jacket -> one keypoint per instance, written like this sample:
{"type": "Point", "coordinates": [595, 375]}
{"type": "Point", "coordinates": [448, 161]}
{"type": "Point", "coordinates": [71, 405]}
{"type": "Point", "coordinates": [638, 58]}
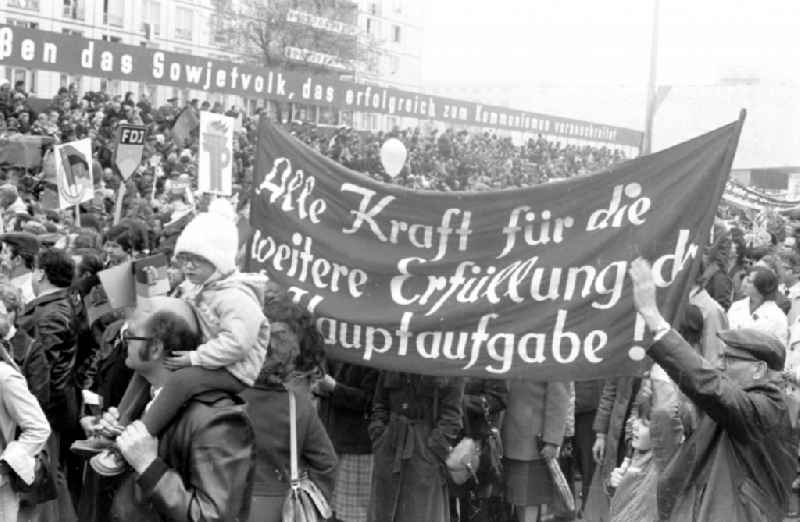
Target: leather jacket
{"type": "Point", "coordinates": [204, 470]}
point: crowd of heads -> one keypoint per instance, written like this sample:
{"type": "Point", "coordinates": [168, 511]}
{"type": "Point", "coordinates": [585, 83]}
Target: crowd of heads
{"type": "Point", "coordinates": [452, 160]}
{"type": "Point", "coordinates": [449, 160]}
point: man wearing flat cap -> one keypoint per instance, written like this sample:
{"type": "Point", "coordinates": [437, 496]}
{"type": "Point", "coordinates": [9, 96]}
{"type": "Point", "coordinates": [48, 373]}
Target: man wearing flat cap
{"type": "Point", "coordinates": [18, 258]}
{"type": "Point", "coordinates": [739, 463]}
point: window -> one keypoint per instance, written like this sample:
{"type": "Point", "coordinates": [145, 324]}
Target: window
{"type": "Point", "coordinates": [375, 8]}
{"type": "Point", "coordinates": [371, 122]}
{"type": "Point", "coordinates": [373, 27]}
{"type": "Point", "coordinates": [24, 75]}
{"type": "Point", "coordinates": [112, 87]}
{"type": "Point", "coordinates": [113, 12]}
{"type": "Point", "coordinates": [184, 20]}
{"type": "Point", "coordinates": [396, 33]}
{"type": "Point", "coordinates": [374, 66]}
{"type": "Point", "coordinates": [72, 32]}
{"type": "Point", "coordinates": [22, 23]}
{"type": "Point", "coordinates": [73, 9]}
{"type": "Point", "coordinates": [109, 38]}
{"type": "Point", "coordinates": [31, 5]}
{"type": "Point", "coordinates": [304, 113]}
{"type": "Point", "coordinates": [328, 116]}
{"type": "Point", "coordinates": [151, 19]}
{"type": "Point", "coordinates": [65, 80]}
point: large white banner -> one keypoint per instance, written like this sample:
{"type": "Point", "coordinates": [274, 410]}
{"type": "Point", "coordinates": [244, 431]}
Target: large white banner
{"type": "Point", "coordinates": [74, 172]}
{"type": "Point", "coordinates": [215, 168]}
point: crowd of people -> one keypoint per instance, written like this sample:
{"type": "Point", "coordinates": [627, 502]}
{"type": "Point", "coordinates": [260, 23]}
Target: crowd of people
{"type": "Point", "coordinates": [448, 160]}
{"type": "Point", "coordinates": [194, 404]}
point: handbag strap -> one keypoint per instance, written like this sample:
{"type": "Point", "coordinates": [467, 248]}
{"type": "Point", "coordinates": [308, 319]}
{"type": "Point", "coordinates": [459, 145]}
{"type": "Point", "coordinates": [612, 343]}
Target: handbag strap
{"type": "Point", "coordinates": [293, 436]}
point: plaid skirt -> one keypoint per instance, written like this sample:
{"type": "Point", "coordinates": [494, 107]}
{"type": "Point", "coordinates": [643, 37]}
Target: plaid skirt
{"type": "Point", "coordinates": [352, 489]}
{"type": "Point", "coordinates": [528, 482]}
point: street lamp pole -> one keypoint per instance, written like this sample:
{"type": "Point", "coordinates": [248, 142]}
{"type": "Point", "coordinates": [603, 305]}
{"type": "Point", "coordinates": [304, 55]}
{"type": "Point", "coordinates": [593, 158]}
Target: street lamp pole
{"type": "Point", "coordinates": [647, 143]}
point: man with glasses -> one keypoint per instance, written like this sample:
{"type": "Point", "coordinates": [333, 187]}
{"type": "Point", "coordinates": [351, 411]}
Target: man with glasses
{"type": "Point", "coordinates": [229, 310]}
{"type": "Point", "coordinates": [740, 461]}
{"type": "Point", "coordinates": [201, 466]}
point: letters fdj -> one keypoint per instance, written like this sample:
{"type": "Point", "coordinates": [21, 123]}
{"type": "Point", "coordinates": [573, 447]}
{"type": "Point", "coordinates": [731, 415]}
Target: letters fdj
{"type": "Point", "coordinates": [131, 136]}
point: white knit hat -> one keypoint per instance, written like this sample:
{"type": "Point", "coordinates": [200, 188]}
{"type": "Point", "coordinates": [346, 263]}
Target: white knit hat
{"type": "Point", "coordinates": [212, 235]}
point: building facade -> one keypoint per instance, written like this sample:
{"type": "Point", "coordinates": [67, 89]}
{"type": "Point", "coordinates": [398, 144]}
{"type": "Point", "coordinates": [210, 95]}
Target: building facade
{"type": "Point", "coordinates": [182, 26]}
{"type": "Point", "coordinates": [397, 28]}
{"type": "Point", "coordinates": [189, 27]}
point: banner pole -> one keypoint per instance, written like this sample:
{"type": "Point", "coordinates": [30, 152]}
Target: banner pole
{"type": "Point", "coordinates": [118, 206]}
{"type": "Point", "coordinates": [153, 193]}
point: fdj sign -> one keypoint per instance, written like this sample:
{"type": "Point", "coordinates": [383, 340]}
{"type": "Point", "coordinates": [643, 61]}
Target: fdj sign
{"type": "Point", "coordinates": [129, 149]}
{"type": "Point", "coordinates": [131, 135]}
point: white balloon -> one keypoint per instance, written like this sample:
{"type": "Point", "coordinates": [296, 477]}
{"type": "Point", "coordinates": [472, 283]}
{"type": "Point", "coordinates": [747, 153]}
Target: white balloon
{"type": "Point", "coordinates": [393, 156]}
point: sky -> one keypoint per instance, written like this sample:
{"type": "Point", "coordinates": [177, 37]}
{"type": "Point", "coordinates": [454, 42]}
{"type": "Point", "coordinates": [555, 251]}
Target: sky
{"type": "Point", "coordinates": [589, 59]}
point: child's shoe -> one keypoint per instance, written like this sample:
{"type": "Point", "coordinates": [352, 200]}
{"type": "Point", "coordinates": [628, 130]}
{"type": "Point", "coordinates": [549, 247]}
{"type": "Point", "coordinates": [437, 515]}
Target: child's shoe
{"type": "Point", "coordinates": [109, 463]}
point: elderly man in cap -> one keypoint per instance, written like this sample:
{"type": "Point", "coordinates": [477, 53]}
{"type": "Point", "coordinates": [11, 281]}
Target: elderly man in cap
{"type": "Point", "coordinates": [18, 258]}
{"type": "Point", "coordinates": [739, 463]}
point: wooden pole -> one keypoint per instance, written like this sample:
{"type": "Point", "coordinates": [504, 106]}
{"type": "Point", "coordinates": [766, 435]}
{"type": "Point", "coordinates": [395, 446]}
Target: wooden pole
{"type": "Point", "coordinates": [118, 206]}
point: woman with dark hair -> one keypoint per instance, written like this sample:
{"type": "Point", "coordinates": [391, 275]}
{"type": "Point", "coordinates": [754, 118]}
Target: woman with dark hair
{"type": "Point", "coordinates": [308, 365]}
{"type": "Point", "coordinates": [268, 407]}
{"type": "Point", "coordinates": [758, 309]}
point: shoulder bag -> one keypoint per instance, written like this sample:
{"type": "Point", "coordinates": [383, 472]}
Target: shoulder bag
{"type": "Point", "coordinates": [464, 458]}
{"type": "Point", "coordinates": [305, 502]}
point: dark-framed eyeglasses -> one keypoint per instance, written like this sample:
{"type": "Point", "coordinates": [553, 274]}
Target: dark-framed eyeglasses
{"type": "Point", "coordinates": [125, 337]}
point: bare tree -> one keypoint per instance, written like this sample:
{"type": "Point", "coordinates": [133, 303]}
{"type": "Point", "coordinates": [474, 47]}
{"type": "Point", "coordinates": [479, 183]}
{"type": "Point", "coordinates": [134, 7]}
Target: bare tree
{"type": "Point", "coordinates": [269, 33]}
